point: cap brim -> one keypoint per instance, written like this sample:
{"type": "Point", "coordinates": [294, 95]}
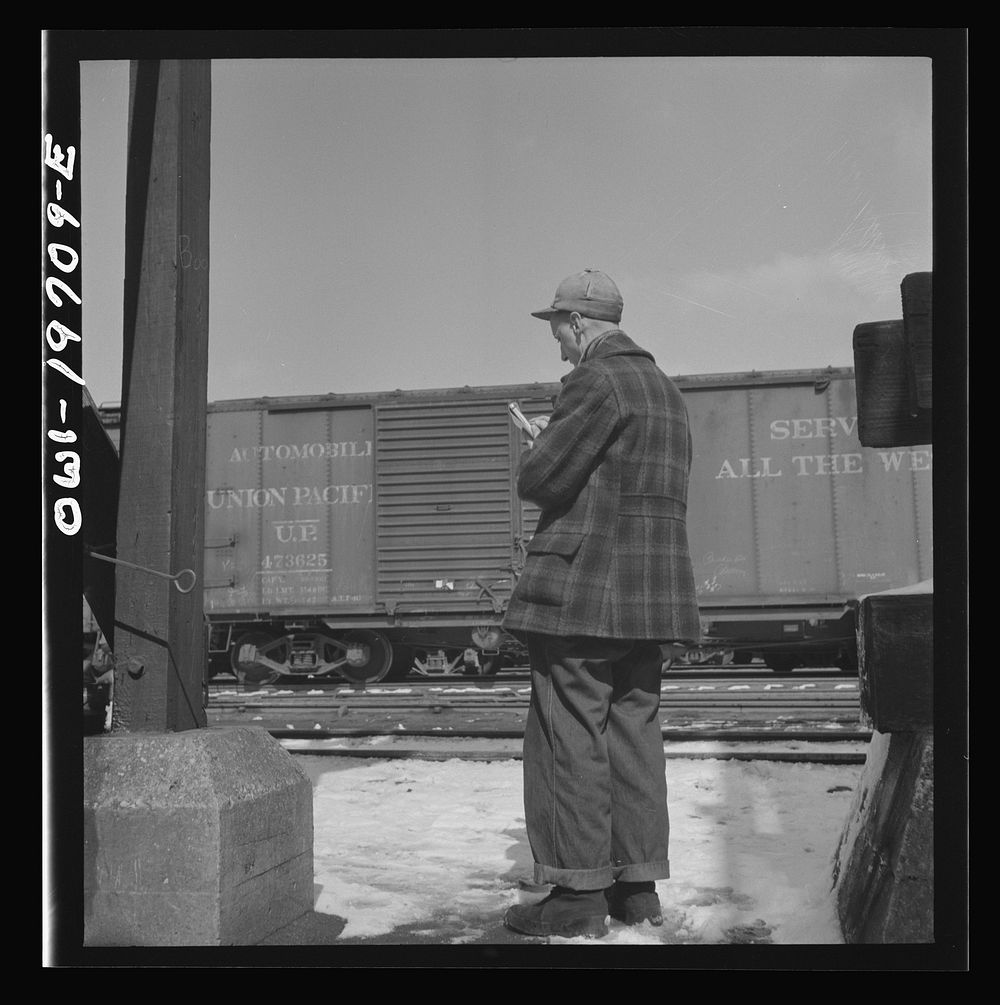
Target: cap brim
{"type": "Point", "coordinates": [545, 313]}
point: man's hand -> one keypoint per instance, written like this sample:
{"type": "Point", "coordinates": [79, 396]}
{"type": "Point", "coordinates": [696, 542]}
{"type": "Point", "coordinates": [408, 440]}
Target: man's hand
{"type": "Point", "coordinates": [538, 423]}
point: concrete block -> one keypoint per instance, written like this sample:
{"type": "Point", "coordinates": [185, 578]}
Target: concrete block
{"type": "Point", "coordinates": [199, 838]}
{"type": "Point", "coordinates": [883, 874]}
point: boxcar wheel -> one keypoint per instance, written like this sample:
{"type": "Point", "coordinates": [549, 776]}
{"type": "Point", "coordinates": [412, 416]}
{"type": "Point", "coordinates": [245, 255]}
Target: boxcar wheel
{"type": "Point", "coordinates": [369, 657]}
{"type": "Point", "coordinates": [848, 664]}
{"type": "Point", "coordinates": [781, 664]}
{"type": "Point", "coordinates": [490, 666]}
{"type": "Point", "coordinates": [250, 671]}
{"type": "Point", "coordinates": [402, 663]}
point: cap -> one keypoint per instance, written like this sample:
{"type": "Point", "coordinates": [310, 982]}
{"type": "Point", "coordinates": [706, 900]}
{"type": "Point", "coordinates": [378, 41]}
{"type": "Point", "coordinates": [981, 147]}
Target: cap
{"type": "Point", "coordinates": [591, 293]}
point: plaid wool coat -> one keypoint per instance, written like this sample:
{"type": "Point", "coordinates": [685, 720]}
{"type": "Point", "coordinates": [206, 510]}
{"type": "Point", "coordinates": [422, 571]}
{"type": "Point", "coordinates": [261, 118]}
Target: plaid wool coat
{"type": "Point", "coordinates": [609, 557]}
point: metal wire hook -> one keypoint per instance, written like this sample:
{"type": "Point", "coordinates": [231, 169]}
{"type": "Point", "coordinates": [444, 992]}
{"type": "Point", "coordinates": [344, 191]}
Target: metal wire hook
{"type": "Point", "coordinates": [175, 579]}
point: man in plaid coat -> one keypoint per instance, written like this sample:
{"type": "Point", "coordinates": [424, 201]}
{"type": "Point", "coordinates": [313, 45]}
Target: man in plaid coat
{"type": "Point", "coordinates": [608, 576]}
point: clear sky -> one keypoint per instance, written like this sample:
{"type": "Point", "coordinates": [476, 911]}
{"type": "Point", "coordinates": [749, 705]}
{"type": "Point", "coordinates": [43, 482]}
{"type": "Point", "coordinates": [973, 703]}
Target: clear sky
{"type": "Point", "coordinates": [390, 223]}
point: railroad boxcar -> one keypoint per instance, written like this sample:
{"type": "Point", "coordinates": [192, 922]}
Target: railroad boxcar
{"type": "Point", "coordinates": [365, 536]}
{"type": "Point", "coordinates": [791, 520]}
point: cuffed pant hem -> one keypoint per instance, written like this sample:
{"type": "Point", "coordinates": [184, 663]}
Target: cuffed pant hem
{"type": "Point", "coordinates": [574, 879]}
{"type": "Point", "coordinates": [643, 872]}
{"type": "Point", "coordinates": [596, 879]}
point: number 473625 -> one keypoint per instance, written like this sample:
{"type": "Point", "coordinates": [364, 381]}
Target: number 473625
{"type": "Point", "coordinates": [314, 560]}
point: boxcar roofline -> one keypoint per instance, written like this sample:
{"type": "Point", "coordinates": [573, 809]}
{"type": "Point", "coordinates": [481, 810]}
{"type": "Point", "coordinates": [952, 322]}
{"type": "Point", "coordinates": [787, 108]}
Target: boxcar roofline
{"type": "Point", "coordinates": [712, 381]}
{"type": "Point", "coordinates": [692, 382]}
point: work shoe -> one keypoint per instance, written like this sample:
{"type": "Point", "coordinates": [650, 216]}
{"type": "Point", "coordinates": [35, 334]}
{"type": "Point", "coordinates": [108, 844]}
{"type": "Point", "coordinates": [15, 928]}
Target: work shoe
{"type": "Point", "coordinates": [564, 912]}
{"type": "Point", "coordinates": [634, 903]}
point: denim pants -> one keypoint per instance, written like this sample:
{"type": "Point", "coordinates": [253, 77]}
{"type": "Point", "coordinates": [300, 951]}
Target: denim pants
{"type": "Point", "coordinates": [595, 790]}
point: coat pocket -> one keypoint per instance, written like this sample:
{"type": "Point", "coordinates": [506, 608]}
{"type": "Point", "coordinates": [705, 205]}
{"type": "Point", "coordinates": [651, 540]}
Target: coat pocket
{"type": "Point", "coordinates": [548, 570]}
{"type": "Point", "coordinates": [558, 543]}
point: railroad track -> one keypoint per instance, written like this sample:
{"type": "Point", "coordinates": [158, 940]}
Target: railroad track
{"type": "Point", "coordinates": [728, 705]}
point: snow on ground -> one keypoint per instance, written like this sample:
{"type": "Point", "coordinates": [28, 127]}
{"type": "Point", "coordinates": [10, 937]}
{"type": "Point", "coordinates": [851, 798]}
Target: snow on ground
{"type": "Point", "coordinates": [441, 846]}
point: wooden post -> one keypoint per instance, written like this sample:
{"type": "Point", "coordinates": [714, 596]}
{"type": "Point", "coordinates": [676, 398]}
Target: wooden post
{"type": "Point", "coordinates": [159, 640]}
{"type": "Point", "coordinates": [917, 293]}
{"type": "Point", "coordinates": [884, 865]}
{"type": "Point", "coordinates": [896, 659]}
{"type": "Point", "coordinates": [191, 837]}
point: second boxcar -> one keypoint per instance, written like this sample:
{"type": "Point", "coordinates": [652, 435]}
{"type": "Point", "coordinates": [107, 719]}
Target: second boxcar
{"type": "Point", "coordinates": [791, 520]}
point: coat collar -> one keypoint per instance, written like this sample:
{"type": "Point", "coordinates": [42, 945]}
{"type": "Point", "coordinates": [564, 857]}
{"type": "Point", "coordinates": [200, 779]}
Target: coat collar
{"type": "Point", "coordinates": [614, 343]}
